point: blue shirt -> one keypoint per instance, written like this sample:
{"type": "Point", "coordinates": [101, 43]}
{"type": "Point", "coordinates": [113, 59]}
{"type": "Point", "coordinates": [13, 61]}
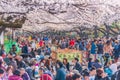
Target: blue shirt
{"type": "Point", "coordinates": [61, 74]}
{"type": "Point", "coordinates": [93, 48]}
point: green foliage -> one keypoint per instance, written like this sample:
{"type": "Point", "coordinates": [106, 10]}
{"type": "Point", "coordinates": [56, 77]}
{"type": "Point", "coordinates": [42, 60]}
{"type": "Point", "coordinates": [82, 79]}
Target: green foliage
{"type": "Point", "coordinates": [114, 24]}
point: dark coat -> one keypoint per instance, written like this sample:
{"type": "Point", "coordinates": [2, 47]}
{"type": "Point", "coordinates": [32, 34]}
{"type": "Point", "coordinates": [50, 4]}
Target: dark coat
{"type": "Point", "coordinates": [25, 49]}
{"type": "Point", "coordinates": [78, 67]}
{"type": "Point", "coordinates": [100, 48]}
{"type": "Point", "coordinates": [30, 73]}
{"type": "Point", "coordinates": [96, 65]}
{"type": "Point", "coordinates": [25, 76]}
{"type": "Point", "coordinates": [21, 64]}
{"type": "Point", "coordinates": [9, 61]}
{"type": "Point", "coordinates": [67, 66]}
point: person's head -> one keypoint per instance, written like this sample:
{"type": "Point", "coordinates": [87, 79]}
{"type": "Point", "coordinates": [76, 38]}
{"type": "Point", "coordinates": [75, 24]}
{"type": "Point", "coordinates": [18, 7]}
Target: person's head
{"type": "Point", "coordinates": [108, 43]}
{"type": "Point", "coordinates": [20, 58]}
{"type": "Point", "coordinates": [43, 61]}
{"type": "Point", "coordinates": [59, 64]}
{"type": "Point", "coordinates": [1, 73]}
{"type": "Point", "coordinates": [86, 76]}
{"type": "Point", "coordinates": [16, 72]}
{"type": "Point", "coordinates": [2, 47]}
{"type": "Point", "coordinates": [100, 41]}
{"type": "Point", "coordinates": [69, 76]}
{"type": "Point", "coordinates": [47, 62]}
{"type": "Point", "coordinates": [32, 66]}
{"type": "Point", "coordinates": [116, 41]}
{"type": "Point", "coordinates": [99, 72]}
{"type": "Point", "coordinates": [95, 41]}
{"type": "Point", "coordinates": [93, 71]}
{"type": "Point", "coordinates": [14, 47]}
{"type": "Point", "coordinates": [22, 71]}
{"type": "Point", "coordinates": [50, 58]}
{"type": "Point", "coordinates": [76, 77]}
{"type": "Point", "coordinates": [65, 61]}
{"type": "Point", "coordinates": [76, 60]}
{"type": "Point", "coordinates": [10, 56]}
{"type": "Point", "coordinates": [9, 69]}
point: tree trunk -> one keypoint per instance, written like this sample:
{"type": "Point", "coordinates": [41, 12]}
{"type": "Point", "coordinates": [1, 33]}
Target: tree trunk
{"type": "Point", "coordinates": [102, 31]}
{"type": "Point", "coordinates": [113, 31]}
{"type": "Point", "coordinates": [118, 29]}
{"type": "Point", "coordinates": [95, 31]}
{"type": "Point", "coordinates": [2, 29]}
{"type": "Point", "coordinates": [107, 31]}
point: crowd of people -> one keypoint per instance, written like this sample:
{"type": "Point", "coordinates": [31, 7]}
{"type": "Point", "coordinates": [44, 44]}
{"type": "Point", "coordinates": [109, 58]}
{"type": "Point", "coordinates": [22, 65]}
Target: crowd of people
{"type": "Point", "coordinates": [34, 62]}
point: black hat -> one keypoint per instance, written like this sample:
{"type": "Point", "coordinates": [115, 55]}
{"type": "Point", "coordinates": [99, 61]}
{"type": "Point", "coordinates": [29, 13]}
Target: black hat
{"type": "Point", "coordinates": [76, 59]}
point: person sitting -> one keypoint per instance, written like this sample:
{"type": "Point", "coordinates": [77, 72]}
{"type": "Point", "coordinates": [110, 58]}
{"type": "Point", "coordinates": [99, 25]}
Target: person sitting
{"type": "Point", "coordinates": [30, 70]}
{"type": "Point", "coordinates": [2, 74]}
{"type": "Point", "coordinates": [96, 64]}
{"type": "Point", "coordinates": [86, 76]}
{"type": "Point", "coordinates": [20, 62]}
{"type": "Point", "coordinates": [9, 71]}
{"type": "Point", "coordinates": [25, 49]}
{"type": "Point", "coordinates": [77, 65]}
{"type": "Point", "coordinates": [92, 73]}
{"type": "Point", "coordinates": [76, 77]}
{"type": "Point", "coordinates": [2, 52]}
{"type": "Point", "coordinates": [24, 74]}
{"type": "Point", "coordinates": [101, 75]}
{"type": "Point", "coordinates": [61, 74]}
{"type": "Point", "coordinates": [90, 63]}
{"type": "Point", "coordinates": [15, 76]}
{"type": "Point", "coordinates": [9, 60]}
{"type": "Point", "coordinates": [66, 64]}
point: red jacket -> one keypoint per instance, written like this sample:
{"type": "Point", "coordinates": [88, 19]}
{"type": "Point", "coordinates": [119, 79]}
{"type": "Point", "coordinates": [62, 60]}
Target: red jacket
{"type": "Point", "coordinates": [45, 77]}
{"type": "Point", "coordinates": [41, 43]}
{"type": "Point", "coordinates": [72, 43]}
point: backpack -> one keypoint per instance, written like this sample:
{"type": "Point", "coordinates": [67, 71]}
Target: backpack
{"type": "Point", "coordinates": [108, 71]}
{"type": "Point", "coordinates": [116, 76]}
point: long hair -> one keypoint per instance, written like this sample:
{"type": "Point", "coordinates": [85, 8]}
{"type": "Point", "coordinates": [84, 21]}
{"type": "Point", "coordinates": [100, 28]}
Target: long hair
{"type": "Point", "coordinates": [47, 62]}
{"type": "Point", "coordinates": [65, 60]}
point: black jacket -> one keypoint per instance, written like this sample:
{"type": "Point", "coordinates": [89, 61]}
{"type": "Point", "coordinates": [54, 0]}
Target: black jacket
{"type": "Point", "coordinates": [67, 66]}
{"type": "Point", "coordinates": [78, 67]}
{"type": "Point", "coordinates": [21, 64]}
{"type": "Point", "coordinates": [100, 48]}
